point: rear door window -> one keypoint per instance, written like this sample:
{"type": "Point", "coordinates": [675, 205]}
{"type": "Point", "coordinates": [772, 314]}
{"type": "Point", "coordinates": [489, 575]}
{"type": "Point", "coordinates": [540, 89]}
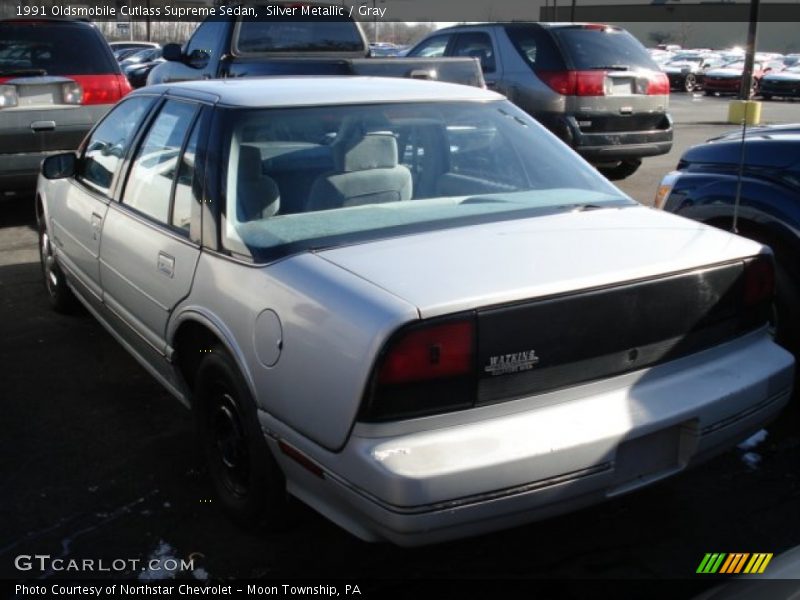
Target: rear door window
{"type": "Point", "coordinates": [535, 47]}
{"type": "Point", "coordinates": [602, 47]}
{"type": "Point", "coordinates": [53, 49]}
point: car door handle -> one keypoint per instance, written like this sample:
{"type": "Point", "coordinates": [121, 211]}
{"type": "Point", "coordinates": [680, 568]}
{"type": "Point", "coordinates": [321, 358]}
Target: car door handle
{"type": "Point", "coordinates": [166, 264]}
{"type": "Point", "coordinates": [97, 222]}
{"type": "Point", "coordinates": [38, 126]}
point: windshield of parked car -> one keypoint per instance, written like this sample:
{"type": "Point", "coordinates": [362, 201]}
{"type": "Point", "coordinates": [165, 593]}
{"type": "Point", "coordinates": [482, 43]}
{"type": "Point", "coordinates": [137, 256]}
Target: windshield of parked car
{"type": "Point", "coordinates": [301, 178]}
{"type": "Point", "coordinates": [52, 49]}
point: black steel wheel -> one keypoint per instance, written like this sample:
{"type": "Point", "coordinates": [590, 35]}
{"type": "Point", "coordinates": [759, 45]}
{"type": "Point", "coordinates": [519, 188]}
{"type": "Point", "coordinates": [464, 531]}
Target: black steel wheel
{"type": "Point", "coordinates": [246, 478]}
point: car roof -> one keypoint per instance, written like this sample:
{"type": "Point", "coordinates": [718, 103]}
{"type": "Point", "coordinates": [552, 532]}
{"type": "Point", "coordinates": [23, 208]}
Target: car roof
{"type": "Point", "coordinates": [545, 25]}
{"type": "Point", "coordinates": [271, 92]}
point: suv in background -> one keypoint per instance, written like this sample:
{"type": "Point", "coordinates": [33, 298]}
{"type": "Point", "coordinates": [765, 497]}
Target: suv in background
{"type": "Point", "coordinates": [594, 86]}
{"type": "Point", "coordinates": [57, 78]}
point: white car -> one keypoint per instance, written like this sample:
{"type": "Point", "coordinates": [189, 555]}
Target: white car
{"type": "Point", "coordinates": [406, 303]}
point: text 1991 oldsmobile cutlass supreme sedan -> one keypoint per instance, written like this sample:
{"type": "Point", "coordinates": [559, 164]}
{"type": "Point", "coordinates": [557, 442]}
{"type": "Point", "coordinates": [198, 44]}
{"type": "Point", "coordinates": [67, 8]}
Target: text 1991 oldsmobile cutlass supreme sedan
{"type": "Point", "coordinates": [406, 302]}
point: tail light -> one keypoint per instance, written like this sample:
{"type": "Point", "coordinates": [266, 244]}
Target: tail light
{"type": "Point", "coordinates": [759, 281]}
{"type": "Point", "coordinates": [575, 83]}
{"type": "Point", "coordinates": [8, 96]}
{"type": "Point", "coordinates": [424, 369]}
{"type": "Point", "coordinates": [658, 85]}
{"type": "Point", "coordinates": [102, 89]}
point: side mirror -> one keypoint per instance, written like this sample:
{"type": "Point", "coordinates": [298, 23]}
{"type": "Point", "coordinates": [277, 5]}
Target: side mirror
{"type": "Point", "coordinates": [172, 52]}
{"type": "Point", "coordinates": [198, 59]}
{"type": "Point", "coordinates": [59, 166]}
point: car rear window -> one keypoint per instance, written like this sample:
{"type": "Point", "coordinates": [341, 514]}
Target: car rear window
{"type": "Point", "coordinates": [602, 48]}
{"type": "Point", "coordinates": [55, 49]}
{"type": "Point", "coordinates": [278, 35]}
{"type": "Point", "coordinates": [313, 177]}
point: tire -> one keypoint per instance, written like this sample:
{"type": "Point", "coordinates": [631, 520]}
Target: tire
{"type": "Point", "coordinates": [690, 83]}
{"type": "Point", "coordinates": [624, 169]}
{"type": "Point", "coordinates": [766, 97]}
{"type": "Point", "coordinates": [247, 479]}
{"type": "Point", "coordinates": [60, 296]}
{"type": "Point", "coordinates": [708, 93]}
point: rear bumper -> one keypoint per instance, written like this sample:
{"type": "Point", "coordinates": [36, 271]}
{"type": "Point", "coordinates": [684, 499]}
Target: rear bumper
{"type": "Point", "coordinates": [613, 145]}
{"type": "Point", "coordinates": [541, 456]}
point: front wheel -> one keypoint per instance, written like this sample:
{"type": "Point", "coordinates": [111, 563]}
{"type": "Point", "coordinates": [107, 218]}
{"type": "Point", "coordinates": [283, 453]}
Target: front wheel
{"type": "Point", "coordinates": [58, 293]}
{"type": "Point", "coordinates": [245, 475]}
{"type": "Point", "coordinates": [624, 169]}
{"type": "Point", "coordinates": [690, 83]}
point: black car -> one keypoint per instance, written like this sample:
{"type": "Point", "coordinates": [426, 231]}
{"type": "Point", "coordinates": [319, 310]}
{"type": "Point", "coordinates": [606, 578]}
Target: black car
{"type": "Point", "coordinates": [687, 71]}
{"type": "Point", "coordinates": [785, 84]}
{"type": "Point", "coordinates": [704, 188]}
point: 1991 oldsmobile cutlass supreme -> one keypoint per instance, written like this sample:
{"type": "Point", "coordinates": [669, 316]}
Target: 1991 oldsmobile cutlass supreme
{"type": "Point", "coordinates": [406, 303]}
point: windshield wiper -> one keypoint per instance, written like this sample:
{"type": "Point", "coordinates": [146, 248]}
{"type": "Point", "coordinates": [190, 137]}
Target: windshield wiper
{"type": "Point", "coordinates": [22, 72]}
{"type": "Point", "coordinates": [582, 207]}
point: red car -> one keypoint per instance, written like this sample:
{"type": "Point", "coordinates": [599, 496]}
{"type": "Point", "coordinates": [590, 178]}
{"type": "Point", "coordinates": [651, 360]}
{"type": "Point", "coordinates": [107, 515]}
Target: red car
{"type": "Point", "coordinates": [727, 79]}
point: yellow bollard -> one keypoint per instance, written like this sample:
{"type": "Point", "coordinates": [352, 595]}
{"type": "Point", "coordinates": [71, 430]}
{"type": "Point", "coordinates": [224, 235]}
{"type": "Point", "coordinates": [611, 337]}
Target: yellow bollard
{"type": "Point", "coordinates": [747, 110]}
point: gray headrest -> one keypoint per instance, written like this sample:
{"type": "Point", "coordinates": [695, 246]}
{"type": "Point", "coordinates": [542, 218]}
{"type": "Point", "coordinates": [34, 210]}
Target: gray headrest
{"type": "Point", "coordinates": [373, 151]}
{"type": "Point", "coordinates": [258, 196]}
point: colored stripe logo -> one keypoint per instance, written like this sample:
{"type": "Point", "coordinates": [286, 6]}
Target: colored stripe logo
{"type": "Point", "coordinates": [734, 563]}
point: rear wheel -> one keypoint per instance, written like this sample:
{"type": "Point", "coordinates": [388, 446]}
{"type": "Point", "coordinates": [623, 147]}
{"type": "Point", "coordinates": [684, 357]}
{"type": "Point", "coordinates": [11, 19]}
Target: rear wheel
{"type": "Point", "coordinates": [709, 93]}
{"type": "Point", "coordinates": [61, 297]}
{"type": "Point", "coordinates": [690, 83]}
{"type": "Point", "coordinates": [246, 477]}
{"type": "Point", "coordinates": [624, 169]}
{"type": "Point", "coordinates": [766, 97]}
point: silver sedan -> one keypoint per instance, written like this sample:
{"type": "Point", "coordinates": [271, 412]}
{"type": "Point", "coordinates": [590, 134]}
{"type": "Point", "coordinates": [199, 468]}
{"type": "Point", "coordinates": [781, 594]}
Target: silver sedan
{"type": "Point", "coordinates": [406, 303]}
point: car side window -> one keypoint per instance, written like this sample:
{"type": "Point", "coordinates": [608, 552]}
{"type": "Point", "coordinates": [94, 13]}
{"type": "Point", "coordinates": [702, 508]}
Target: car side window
{"type": "Point", "coordinates": [185, 185]}
{"type": "Point", "coordinates": [150, 183]}
{"type": "Point", "coordinates": [110, 141]}
{"type": "Point", "coordinates": [476, 44]}
{"type": "Point", "coordinates": [432, 48]}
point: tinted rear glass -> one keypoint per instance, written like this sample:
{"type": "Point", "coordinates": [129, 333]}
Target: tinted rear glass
{"type": "Point", "coordinates": [299, 36]}
{"type": "Point", "coordinates": [602, 48]}
{"type": "Point", "coordinates": [56, 49]}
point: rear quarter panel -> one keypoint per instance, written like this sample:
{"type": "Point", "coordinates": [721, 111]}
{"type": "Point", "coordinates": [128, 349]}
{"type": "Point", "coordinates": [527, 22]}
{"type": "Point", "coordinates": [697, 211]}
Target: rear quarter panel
{"type": "Point", "coordinates": [333, 325]}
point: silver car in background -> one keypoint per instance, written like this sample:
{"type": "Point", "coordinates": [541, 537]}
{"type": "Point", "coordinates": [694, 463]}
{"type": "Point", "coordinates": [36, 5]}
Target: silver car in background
{"type": "Point", "coordinates": [406, 303]}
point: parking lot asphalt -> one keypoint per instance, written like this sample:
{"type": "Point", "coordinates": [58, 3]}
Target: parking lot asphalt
{"type": "Point", "coordinates": [98, 462]}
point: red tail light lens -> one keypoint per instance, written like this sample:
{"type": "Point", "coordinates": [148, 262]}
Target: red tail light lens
{"type": "Point", "coordinates": [424, 369]}
{"type": "Point", "coordinates": [575, 83]}
{"type": "Point", "coordinates": [102, 89]}
{"type": "Point", "coordinates": [658, 85]}
{"type": "Point", "coordinates": [759, 281]}
{"type": "Point", "coordinates": [429, 353]}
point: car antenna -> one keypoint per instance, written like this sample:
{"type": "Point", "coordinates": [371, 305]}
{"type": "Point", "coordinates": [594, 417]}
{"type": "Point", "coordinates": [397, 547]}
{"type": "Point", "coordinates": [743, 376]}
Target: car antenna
{"type": "Point", "coordinates": [739, 175]}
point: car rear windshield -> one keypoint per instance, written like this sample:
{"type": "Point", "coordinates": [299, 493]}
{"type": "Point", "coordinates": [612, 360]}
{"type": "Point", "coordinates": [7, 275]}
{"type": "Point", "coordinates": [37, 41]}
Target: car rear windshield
{"type": "Point", "coordinates": [601, 47]}
{"type": "Point", "coordinates": [53, 49]}
{"type": "Point", "coordinates": [279, 35]}
{"type": "Point", "coordinates": [305, 178]}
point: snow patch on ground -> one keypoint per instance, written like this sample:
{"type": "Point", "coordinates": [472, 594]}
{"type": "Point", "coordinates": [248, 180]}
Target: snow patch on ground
{"type": "Point", "coordinates": [161, 564]}
{"type": "Point", "coordinates": [751, 459]}
{"type": "Point", "coordinates": [754, 440]}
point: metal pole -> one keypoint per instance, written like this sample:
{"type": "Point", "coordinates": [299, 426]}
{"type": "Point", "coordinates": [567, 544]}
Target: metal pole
{"type": "Point", "coordinates": [555, 11]}
{"type": "Point", "coordinates": [572, 12]}
{"type": "Point", "coordinates": [147, 22]}
{"type": "Point", "coordinates": [749, 57]}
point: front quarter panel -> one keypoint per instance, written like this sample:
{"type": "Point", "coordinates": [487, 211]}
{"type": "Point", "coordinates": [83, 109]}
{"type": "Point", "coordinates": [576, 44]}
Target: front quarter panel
{"type": "Point", "coordinates": [333, 324]}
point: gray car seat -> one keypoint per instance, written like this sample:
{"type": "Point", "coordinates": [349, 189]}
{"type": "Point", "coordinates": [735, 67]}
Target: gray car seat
{"type": "Point", "coordinates": [257, 195]}
{"type": "Point", "coordinates": [366, 171]}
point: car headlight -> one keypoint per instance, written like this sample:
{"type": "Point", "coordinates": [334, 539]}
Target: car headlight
{"type": "Point", "coordinates": [665, 188]}
{"type": "Point", "coordinates": [71, 93]}
{"type": "Point", "coordinates": [8, 96]}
